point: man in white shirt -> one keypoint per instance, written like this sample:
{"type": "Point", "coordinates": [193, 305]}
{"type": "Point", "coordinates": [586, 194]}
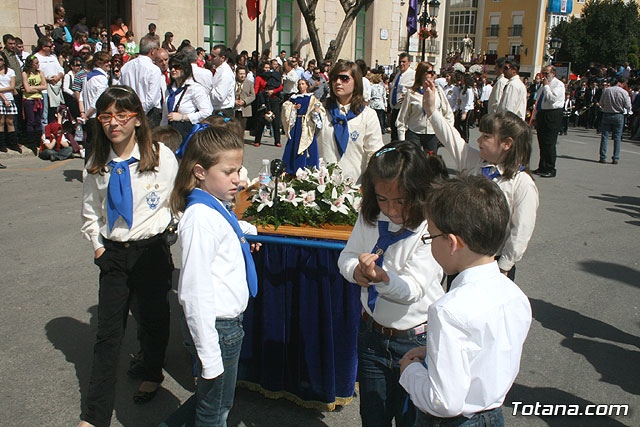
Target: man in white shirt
{"type": "Point", "coordinates": [475, 332]}
{"type": "Point", "coordinates": [549, 110]}
{"type": "Point", "coordinates": [498, 86]}
{"type": "Point", "coordinates": [282, 58]}
{"type": "Point", "coordinates": [97, 82]}
{"type": "Point", "coordinates": [289, 80]}
{"type": "Point", "coordinates": [401, 83]}
{"type": "Point", "coordinates": [145, 78]}
{"type": "Point", "coordinates": [223, 95]}
{"type": "Point", "coordinates": [52, 71]}
{"type": "Point", "coordinates": [202, 76]}
{"type": "Point", "coordinates": [514, 96]}
{"type": "Point", "coordinates": [485, 95]}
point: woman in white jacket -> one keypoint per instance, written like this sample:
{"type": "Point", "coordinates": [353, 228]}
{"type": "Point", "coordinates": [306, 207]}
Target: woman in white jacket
{"type": "Point", "coordinates": [412, 122]}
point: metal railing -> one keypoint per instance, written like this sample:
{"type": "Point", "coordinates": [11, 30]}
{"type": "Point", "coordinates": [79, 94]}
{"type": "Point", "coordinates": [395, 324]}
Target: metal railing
{"type": "Point", "coordinates": [515, 31]}
{"type": "Point", "coordinates": [493, 31]}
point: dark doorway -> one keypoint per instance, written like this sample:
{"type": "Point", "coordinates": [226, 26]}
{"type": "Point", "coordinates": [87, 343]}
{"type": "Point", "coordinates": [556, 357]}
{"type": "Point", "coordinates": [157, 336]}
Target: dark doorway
{"type": "Point", "coordinates": [96, 12]}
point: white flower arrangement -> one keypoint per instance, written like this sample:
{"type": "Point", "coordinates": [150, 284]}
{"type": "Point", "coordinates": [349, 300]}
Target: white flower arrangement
{"type": "Point", "coordinates": [314, 196]}
{"type": "Point", "coordinates": [476, 68]}
{"type": "Point", "coordinates": [459, 67]}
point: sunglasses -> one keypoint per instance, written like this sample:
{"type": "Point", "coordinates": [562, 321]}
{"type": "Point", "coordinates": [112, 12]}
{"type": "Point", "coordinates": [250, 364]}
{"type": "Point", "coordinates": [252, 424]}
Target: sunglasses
{"type": "Point", "coordinates": [344, 78]}
{"type": "Point", "coordinates": [103, 35]}
{"type": "Point", "coordinates": [430, 72]}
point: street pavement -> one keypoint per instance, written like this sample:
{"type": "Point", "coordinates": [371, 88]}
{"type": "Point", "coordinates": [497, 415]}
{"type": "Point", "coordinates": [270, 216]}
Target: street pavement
{"type": "Point", "coordinates": [581, 273]}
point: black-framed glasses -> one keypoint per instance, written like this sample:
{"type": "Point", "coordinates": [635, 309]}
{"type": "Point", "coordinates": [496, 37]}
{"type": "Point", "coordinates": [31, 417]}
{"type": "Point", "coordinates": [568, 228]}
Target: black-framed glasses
{"type": "Point", "coordinates": [344, 78]}
{"type": "Point", "coordinates": [427, 238]}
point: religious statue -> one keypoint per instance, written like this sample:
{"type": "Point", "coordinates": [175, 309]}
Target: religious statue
{"type": "Point", "coordinates": [467, 49]}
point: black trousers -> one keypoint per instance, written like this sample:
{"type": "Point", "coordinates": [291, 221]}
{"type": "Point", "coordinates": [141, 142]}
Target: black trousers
{"type": "Point", "coordinates": [392, 119]}
{"type": "Point", "coordinates": [130, 273]}
{"type": "Point", "coordinates": [274, 104]}
{"type": "Point", "coordinates": [462, 126]}
{"type": "Point", "coordinates": [548, 125]}
{"type": "Point", "coordinates": [428, 142]}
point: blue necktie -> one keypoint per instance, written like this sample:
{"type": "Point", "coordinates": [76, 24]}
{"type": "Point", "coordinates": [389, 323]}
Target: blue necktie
{"type": "Point", "coordinates": [171, 99]}
{"type": "Point", "coordinates": [539, 104]}
{"type": "Point", "coordinates": [119, 194]}
{"type": "Point", "coordinates": [341, 128]}
{"type": "Point", "coordinates": [200, 196]}
{"type": "Point", "coordinates": [183, 147]}
{"type": "Point", "coordinates": [486, 171]}
{"type": "Point", "coordinates": [394, 94]}
{"type": "Point", "coordinates": [385, 239]}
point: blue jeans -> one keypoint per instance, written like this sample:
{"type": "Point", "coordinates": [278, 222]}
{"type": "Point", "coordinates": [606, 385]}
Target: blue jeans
{"type": "Point", "coordinates": [382, 398]}
{"type": "Point", "coordinates": [492, 418]}
{"type": "Point", "coordinates": [611, 123]}
{"type": "Point", "coordinates": [213, 400]}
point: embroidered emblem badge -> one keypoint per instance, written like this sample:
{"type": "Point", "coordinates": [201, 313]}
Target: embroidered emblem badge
{"type": "Point", "coordinates": [153, 200]}
{"type": "Point", "coordinates": [354, 135]}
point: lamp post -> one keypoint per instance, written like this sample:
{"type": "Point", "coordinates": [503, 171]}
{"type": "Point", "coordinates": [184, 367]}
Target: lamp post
{"type": "Point", "coordinates": [554, 46]}
{"type": "Point", "coordinates": [428, 17]}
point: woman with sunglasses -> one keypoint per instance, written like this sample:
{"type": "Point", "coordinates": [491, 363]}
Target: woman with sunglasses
{"type": "Point", "coordinates": [125, 211]}
{"type": "Point", "coordinates": [186, 101]}
{"type": "Point", "coordinates": [412, 122]}
{"type": "Point", "coordinates": [351, 131]}
{"type": "Point", "coordinates": [67, 88]}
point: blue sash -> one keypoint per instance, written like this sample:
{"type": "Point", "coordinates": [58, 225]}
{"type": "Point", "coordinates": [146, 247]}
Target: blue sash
{"type": "Point", "coordinates": [119, 193]}
{"type": "Point", "coordinates": [385, 239]}
{"type": "Point", "coordinates": [199, 196]}
{"type": "Point", "coordinates": [340, 125]}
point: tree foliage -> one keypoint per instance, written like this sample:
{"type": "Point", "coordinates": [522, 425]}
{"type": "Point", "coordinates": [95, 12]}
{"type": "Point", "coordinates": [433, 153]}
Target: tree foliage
{"type": "Point", "coordinates": [606, 34]}
{"type": "Point", "coordinates": [351, 9]}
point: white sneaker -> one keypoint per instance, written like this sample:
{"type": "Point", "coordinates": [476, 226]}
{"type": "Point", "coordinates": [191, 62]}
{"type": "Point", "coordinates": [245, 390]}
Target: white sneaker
{"type": "Point", "coordinates": [82, 153]}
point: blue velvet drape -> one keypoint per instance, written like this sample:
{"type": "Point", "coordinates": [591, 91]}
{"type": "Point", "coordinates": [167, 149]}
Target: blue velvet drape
{"type": "Point", "coordinates": [301, 330]}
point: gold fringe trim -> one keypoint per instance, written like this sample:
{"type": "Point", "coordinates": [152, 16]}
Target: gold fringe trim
{"type": "Point", "coordinates": [309, 404]}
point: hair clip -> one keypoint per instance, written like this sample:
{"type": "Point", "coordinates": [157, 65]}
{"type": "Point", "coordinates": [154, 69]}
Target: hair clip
{"type": "Point", "coordinates": [227, 119]}
{"type": "Point", "coordinates": [385, 150]}
{"type": "Point", "coordinates": [183, 147]}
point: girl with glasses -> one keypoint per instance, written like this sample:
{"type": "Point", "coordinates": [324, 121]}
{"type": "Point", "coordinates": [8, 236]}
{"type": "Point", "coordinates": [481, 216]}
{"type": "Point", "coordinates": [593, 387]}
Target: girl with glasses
{"type": "Point", "coordinates": [412, 122]}
{"type": "Point", "coordinates": [398, 276]}
{"type": "Point", "coordinates": [351, 131]}
{"type": "Point", "coordinates": [127, 184]}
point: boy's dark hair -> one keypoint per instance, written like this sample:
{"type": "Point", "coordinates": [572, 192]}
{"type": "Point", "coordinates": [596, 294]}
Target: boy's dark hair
{"type": "Point", "coordinates": [405, 163]}
{"type": "Point", "coordinates": [472, 208]}
{"type": "Point", "coordinates": [168, 135]}
{"type": "Point", "coordinates": [506, 124]}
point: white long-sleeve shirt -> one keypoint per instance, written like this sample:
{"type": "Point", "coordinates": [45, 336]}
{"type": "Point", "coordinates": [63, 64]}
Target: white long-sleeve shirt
{"type": "Point", "coordinates": [514, 97]}
{"type": "Point", "coordinates": [195, 103]}
{"type": "Point", "coordinates": [66, 83]}
{"type": "Point", "coordinates": [290, 82]}
{"type": "Point", "coordinates": [223, 94]}
{"type": "Point", "coordinates": [213, 281]}
{"type": "Point", "coordinates": [93, 88]}
{"type": "Point", "coordinates": [520, 191]}
{"type": "Point", "coordinates": [413, 117]}
{"type": "Point", "coordinates": [496, 93]}
{"type": "Point", "coordinates": [467, 98]}
{"type": "Point", "coordinates": [414, 275]}
{"type": "Point", "coordinates": [452, 93]}
{"type": "Point", "coordinates": [203, 77]}
{"type": "Point", "coordinates": [475, 336]}
{"type": "Point", "coordinates": [151, 191]}
{"type": "Point", "coordinates": [145, 78]}
{"type": "Point", "coordinates": [403, 81]}
{"type": "Point", "coordinates": [553, 95]}
{"type": "Point", "coordinates": [365, 138]}
{"type": "Point", "coordinates": [366, 89]}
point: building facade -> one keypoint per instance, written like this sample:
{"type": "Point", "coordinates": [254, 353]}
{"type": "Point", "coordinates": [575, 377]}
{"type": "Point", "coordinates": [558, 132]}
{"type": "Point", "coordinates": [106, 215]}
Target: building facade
{"type": "Point", "coordinates": [377, 35]}
{"type": "Point", "coordinates": [516, 28]}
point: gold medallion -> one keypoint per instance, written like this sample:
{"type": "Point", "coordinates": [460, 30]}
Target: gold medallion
{"type": "Point", "coordinates": [379, 252]}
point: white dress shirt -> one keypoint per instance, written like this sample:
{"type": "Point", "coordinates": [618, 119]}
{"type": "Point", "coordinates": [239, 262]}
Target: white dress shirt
{"type": "Point", "coordinates": [553, 95]}
{"type": "Point", "coordinates": [203, 77]}
{"type": "Point", "coordinates": [151, 191]}
{"type": "Point", "coordinates": [486, 92]}
{"type": "Point", "coordinates": [195, 103]}
{"type": "Point", "coordinates": [452, 92]}
{"type": "Point", "coordinates": [475, 336]}
{"type": "Point", "coordinates": [213, 280]}
{"type": "Point", "coordinates": [366, 89]}
{"type": "Point", "coordinates": [413, 117]}
{"type": "Point", "coordinates": [414, 275]}
{"type": "Point", "coordinates": [365, 138]}
{"type": "Point", "coordinates": [145, 78]}
{"type": "Point", "coordinates": [514, 97]}
{"type": "Point", "coordinates": [290, 82]}
{"type": "Point", "coordinates": [92, 89]}
{"type": "Point", "coordinates": [496, 93]}
{"type": "Point", "coordinates": [403, 81]}
{"type": "Point", "coordinates": [520, 191]}
{"type": "Point", "coordinates": [223, 94]}
{"type": "Point", "coordinates": [467, 98]}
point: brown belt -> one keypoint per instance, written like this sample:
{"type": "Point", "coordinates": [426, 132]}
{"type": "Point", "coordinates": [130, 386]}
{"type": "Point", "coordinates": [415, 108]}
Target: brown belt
{"type": "Point", "coordinates": [418, 330]}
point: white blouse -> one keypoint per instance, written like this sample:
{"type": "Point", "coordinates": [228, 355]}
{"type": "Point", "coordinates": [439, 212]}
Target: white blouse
{"type": "Point", "coordinates": [195, 103]}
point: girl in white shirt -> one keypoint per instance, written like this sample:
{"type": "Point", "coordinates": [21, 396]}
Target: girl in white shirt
{"type": "Point", "coordinates": [400, 279]}
{"type": "Point", "coordinates": [504, 149]}
{"type": "Point", "coordinates": [125, 211]}
{"type": "Point", "coordinates": [465, 106]}
{"type": "Point", "coordinates": [7, 105]}
{"type": "Point", "coordinates": [218, 273]}
{"type": "Point", "coordinates": [186, 102]}
{"type": "Point", "coordinates": [351, 131]}
{"type": "Point", "coordinates": [412, 122]}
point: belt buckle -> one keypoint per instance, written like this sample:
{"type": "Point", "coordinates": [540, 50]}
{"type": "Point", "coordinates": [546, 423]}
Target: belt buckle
{"type": "Point", "coordinates": [126, 244]}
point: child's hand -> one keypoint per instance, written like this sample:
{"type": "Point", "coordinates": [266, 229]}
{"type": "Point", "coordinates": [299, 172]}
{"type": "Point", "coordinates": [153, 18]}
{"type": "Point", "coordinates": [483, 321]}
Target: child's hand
{"type": "Point", "coordinates": [255, 246]}
{"type": "Point", "coordinates": [370, 270]}
{"type": "Point", "coordinates": [360, 278]}
{"type": "Point", "coordinates": [429, 97]}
